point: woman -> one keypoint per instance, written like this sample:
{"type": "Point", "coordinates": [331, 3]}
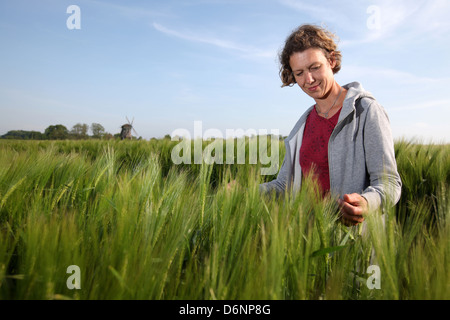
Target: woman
{"type": "Point", "coordinates": [344, 139]}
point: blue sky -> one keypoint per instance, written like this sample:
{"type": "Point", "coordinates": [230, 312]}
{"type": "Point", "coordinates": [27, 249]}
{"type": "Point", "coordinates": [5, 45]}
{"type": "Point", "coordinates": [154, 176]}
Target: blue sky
{"type": "Point", "coordinates": [169, 63]}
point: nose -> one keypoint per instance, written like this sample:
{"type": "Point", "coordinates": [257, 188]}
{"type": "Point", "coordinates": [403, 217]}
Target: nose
{"type": "Point", "coordinates": [309, 78]}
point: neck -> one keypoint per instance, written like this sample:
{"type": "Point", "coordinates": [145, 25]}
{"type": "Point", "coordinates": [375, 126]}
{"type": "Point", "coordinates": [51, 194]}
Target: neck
{"type": "Point", "coordinates": [332, 100]}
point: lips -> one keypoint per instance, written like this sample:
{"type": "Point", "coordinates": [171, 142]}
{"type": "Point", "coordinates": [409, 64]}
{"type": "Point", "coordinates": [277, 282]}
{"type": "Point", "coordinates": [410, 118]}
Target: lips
{"type": "Point", "coordinates": [313, 89]}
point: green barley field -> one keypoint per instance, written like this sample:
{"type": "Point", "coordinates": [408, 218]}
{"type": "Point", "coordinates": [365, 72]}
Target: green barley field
{"type": "Point", "coordinates": [140, 227]}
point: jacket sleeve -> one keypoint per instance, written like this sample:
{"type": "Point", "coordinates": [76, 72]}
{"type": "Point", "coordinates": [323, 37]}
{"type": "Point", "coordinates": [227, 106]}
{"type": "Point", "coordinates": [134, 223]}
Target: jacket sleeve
{"type": "Point", "coordinates": [279, 185]}
{"type": "Point", "coordinates": [385, 183]}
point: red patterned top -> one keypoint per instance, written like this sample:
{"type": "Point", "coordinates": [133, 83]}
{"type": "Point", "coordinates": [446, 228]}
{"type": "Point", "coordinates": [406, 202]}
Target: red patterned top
{"type": "Point", "coordinates": [314, 149]}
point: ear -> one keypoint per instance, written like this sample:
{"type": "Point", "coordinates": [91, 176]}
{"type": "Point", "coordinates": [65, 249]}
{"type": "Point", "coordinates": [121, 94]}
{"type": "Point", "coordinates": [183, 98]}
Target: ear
{"type": "Point", "coordinates": [332, 60]}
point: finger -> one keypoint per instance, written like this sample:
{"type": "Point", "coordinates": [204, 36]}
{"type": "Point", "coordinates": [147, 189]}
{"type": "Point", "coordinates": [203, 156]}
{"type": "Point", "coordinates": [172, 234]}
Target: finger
{"type": "Point", "coordinates": [350, 223]}
{"type": "Point", "coordinates": [351, 215]}
{"type": "Point", "coordinates": [353, 198]}
{"type": "Point", "coordinates": [349, 220]}
{"type": "Point", "coordinates": [353, 218]}
{"type": "Point", "coordinates": [350, 209]}
{"type": "Point", "coordinates": [345, 222]}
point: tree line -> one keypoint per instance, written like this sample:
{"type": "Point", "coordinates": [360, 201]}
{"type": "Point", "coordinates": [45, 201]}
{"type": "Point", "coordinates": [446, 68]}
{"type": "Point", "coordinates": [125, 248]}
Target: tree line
{"type": "Point", "coordinates": [60, 132]}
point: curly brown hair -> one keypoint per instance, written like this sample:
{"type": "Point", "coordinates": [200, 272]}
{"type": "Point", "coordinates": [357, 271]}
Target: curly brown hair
{"type": "Point", "coordinates": [305, 37]}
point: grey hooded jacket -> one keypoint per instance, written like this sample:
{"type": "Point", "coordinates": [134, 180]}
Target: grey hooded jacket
{"type": "Point", "coordinates": [360, 153]}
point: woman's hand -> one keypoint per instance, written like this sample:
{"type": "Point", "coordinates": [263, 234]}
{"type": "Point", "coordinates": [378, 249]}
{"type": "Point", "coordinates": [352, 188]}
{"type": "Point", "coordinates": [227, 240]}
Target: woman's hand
{"type": "Point", "coordinates": [232, 184]}
{"type": "Point", "coordinates": [353, 208]}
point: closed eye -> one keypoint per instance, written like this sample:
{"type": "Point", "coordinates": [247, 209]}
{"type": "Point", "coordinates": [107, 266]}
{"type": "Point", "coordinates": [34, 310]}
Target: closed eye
{"type": "Point", "coordinates": [313, 68]}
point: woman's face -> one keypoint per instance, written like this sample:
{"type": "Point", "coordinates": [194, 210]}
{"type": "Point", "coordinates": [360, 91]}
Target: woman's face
{"type": "Point", "coordinates": [313, 72]}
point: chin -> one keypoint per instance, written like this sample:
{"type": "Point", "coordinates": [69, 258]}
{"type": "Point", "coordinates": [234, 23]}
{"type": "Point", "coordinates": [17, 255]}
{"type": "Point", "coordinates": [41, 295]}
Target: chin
{"type": "Point", "coordinates": [315, 95]}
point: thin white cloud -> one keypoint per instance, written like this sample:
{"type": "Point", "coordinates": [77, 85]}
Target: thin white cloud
{"type": "Point", "coordinates": [196, 38]}
{"type": "Point", "coordinates": [416, 16]}
{"type": "Point", "coordinates": [406, 21]}
{"type": "Point", "coordinates": [217, 42]}
{"type": "Point", "coordinates": [129, 11]}
{"type": "Point", "coordinates": [400, 20]}
{"type": "Point", "coordinates": [323, 12]}
{"type": "Point", "coordinates": [389, 74]}
{"type": "Point", "coordinates": [443, 105]}
{"type": "Point", "coordinates": [336, 13]}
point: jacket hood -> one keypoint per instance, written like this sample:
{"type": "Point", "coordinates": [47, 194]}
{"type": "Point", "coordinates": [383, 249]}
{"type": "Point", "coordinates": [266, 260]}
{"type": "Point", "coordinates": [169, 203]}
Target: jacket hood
{"type": "Point", "coordinates": [354, 93]}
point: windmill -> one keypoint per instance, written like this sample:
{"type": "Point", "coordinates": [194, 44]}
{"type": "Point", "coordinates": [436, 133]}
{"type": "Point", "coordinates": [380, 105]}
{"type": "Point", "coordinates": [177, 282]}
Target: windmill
{"type": "Point", "coordinates": [126, 130]}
